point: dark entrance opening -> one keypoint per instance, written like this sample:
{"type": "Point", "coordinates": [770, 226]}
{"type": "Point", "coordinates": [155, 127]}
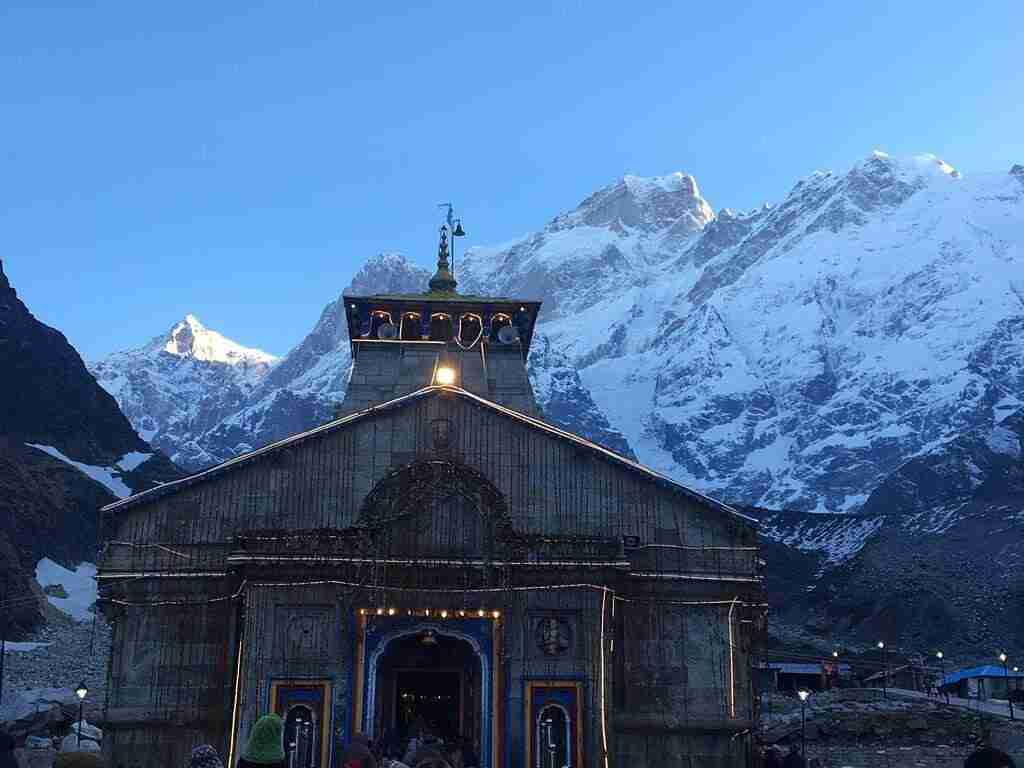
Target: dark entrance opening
{"type": "Point", "coordinates": [429, 681]}
{"type": "Point", "coordinates": [433, 696]}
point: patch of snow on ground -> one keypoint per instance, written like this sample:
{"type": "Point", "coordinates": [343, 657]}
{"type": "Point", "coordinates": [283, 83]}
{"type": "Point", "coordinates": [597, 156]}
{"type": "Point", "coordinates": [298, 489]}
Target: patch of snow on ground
{"type": "Point", "coordinates": [837, 540]}
{"type": "Point", "coordinates": [132, 460]}
{"type": "Point", "coordinates": [103, 475]}
{"type": "Point", "coordinates": [80, 585]}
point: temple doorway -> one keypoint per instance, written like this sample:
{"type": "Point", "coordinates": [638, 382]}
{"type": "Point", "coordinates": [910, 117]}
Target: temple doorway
{"type": "Point", "coordinates": [433, 681]}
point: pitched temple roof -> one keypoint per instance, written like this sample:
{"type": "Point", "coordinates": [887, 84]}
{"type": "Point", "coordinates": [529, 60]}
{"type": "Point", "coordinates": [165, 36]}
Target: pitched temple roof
{"type": "Point", "coordinates": [399, 402]}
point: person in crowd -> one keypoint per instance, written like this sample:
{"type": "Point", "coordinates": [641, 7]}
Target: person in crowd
{"type": "Point", "coordinates": [357, 754]}
{"type": "Point", "coordinates": [7, 759]}
{"type": "Point", "coordinates": [987, 757]}
{"type": "Point", "coordinates": [794, 759]}
{"type": "Point", "coordinates": [78, 760]}
{"type": "Point", "coordinates": [772, 758]}
{"type": "Point", "coordinates": [205, 756]}
{"type": "Point", "coordinates": [418, 735]}
{"type": "Point", "coordinates": [390, 745]}
{"type": "Point", "coordinates": [428, 757]}
{"type": "Point", "coordinates": [266, 744]}
{"type": "Point", "coordinates": [469, 757]}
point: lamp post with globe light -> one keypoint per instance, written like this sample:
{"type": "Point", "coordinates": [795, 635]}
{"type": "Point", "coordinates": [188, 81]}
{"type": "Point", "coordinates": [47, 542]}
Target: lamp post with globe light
{"type": "Point", "coordinates": [803, 694]}
{"type": "Point", "coordinates": [1006, 676]}
{"type": "Point", "coordinates": [81, 692]}
{"type": "Point", "coordinates": [885, 670]}
{"type": "Point", "coordinates": [942, 667]}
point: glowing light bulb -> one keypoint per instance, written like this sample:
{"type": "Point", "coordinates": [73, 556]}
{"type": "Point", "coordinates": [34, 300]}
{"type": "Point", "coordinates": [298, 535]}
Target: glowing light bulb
{"type": "Point", "coordinates": [391, 611]}
{"type": "Point", "coordinates": [496, 614]}
{"type": "Point", "coordinates": [445, 375]}
{"type": "Point", "coordinates": [444, 614]}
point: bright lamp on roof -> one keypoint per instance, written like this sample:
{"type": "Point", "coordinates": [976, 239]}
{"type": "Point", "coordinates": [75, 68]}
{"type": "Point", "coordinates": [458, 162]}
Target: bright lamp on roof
{"type": "Point", "coordinates": [445, 375]}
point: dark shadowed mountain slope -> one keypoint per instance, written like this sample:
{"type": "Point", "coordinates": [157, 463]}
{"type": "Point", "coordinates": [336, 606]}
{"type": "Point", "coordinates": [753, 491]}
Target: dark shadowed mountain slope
{"type": "Point", "coordinates": [65, 450]}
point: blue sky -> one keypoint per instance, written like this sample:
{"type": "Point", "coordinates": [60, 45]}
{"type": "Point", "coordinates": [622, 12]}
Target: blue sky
{"type": "Point", "coordinates": [240, 161]}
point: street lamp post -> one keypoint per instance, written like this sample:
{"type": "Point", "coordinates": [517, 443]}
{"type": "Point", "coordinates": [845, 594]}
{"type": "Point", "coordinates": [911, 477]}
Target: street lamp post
{"type": "Point", "coordinates": [1006, 675]}
{"type": "Point", "coordinates": [885, 671]}
{"type": "Point", "coordinates": [942, 668]}
{"type": "Point", "coordinates": [81, 692]}
{"type": "Point", "coordinates": [803, 724]}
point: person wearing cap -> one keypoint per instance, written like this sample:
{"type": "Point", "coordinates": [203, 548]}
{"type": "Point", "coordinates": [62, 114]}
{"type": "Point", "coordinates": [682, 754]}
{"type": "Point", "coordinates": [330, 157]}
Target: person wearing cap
{"type": "Point", "coordinates": [265, 748]}
{"type": "Point", "coordinates": [205, 756]}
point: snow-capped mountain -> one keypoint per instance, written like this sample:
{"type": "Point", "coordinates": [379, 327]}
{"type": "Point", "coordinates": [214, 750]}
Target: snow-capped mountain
{"type": "Point", "coordinates": [790, 357]}
{"type": "Point", "coordinates": [203, 398]}
{"type": "Point", "coordinates": [182, 383]}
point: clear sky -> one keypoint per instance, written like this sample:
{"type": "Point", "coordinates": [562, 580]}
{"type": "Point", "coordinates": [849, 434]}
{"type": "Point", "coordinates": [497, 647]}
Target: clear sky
{"type": "Point", "coordinates": [240, 160]}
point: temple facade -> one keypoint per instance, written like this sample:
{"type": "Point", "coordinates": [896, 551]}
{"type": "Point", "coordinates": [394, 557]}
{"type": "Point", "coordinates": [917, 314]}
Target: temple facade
{"type": "Point", "coordinates": [438, 554]}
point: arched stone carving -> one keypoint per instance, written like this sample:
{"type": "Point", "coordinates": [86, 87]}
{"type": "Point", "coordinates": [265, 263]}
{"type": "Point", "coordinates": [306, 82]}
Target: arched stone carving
{"type": "Point", "coordinates": [435, 508]}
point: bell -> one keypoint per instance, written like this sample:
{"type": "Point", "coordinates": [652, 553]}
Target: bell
{"type": "Point", "coordinates": [459, 231]}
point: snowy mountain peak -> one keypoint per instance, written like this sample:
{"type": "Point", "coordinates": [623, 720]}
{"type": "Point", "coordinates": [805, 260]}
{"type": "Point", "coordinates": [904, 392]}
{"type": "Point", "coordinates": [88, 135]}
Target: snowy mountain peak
{"type": "Point", "coordinates": [641, 186]}
{"type": "Point", "coordinates": [388, 272]}
{"type": "Point", "coordinates": [190, 338]}
{"type": "Point", "coordinates": [921, 166]}
{"type": "Point", "coordinates": [645, 205]}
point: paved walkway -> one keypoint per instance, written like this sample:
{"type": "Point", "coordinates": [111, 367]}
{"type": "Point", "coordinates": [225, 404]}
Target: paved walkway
{"type": "Point", "coordinates": [988, 706]}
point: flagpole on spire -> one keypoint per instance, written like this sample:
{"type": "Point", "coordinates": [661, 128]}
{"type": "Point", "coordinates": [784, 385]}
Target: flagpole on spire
{"type": "Point", "coordinates": [455, 227]}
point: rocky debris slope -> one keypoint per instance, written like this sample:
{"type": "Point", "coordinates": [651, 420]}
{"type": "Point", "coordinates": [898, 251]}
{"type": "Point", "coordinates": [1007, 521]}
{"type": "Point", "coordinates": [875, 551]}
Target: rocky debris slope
{"type": "Point", "coordinates": [861, 727]}
{"type": "Point", "coordinates": [936, 560]}
{"type": "Point", "coordinates": [65, 450]}
{"type": "Point", "coordinates": [70, 653]}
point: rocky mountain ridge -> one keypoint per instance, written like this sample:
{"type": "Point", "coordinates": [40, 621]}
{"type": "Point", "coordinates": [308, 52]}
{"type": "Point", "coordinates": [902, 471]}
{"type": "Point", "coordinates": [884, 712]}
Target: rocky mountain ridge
{"type": "Point", "coordinates": [65, 450]}
{"type": "Point", "coordinates": [794, 355]}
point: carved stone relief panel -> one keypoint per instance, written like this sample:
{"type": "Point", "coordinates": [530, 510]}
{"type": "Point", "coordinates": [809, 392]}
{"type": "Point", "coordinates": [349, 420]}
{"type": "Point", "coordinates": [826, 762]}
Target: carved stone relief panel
{"type": "Point", "coordinates": [553, 634]}
{"type": "Point", "coordinates": [305, 632]}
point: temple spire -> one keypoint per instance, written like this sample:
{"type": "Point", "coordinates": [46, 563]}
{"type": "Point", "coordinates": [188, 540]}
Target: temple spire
{"type": "Point", "coordinates": [443, 281]}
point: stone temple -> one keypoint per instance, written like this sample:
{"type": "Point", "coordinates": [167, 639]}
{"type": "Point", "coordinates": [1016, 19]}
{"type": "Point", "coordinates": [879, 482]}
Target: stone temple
{"type": "Point", "coordinates": [437, 552]}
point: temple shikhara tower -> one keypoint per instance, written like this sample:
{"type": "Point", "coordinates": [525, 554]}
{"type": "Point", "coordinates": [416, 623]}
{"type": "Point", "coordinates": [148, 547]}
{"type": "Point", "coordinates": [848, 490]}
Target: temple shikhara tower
{"type": "Point", "coordinates": [437, 553]}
